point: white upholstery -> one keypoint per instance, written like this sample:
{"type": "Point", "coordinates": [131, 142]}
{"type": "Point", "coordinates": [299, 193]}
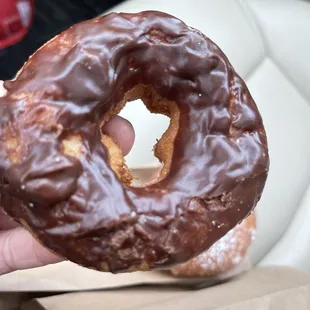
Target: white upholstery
{"type": "Point", "coordinates": [268, 42]}
{"type": "Point", "coordinates": [286, 117]}
{"type": "Point", "coordinates": [285, 31]}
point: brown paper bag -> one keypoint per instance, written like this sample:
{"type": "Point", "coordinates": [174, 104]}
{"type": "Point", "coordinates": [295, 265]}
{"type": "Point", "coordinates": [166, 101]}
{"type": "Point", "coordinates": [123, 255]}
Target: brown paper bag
{"type": "Point", "coordinates": [66, 276]}
{"type": "Point", "coordinates": [259, 289]}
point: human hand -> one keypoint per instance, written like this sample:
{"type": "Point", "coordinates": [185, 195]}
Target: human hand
{"type": "Point", "coordinates": [18, 249]}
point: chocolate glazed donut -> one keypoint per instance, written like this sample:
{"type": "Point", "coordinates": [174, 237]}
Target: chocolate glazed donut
{"type": "Point", "coordinates": [60, 177]}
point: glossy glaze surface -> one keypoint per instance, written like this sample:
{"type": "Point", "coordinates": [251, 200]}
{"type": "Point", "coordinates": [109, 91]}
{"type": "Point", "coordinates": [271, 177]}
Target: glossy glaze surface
{"type": "Point", "coordinates": [77, 206]}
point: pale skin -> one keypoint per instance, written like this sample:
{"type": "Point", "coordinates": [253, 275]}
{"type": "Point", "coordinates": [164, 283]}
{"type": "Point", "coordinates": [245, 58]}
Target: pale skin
{"type": "Point", "coordinates": [18, 249]}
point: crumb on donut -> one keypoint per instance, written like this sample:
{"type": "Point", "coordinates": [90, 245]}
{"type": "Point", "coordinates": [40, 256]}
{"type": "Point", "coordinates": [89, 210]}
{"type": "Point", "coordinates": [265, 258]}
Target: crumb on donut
{"type": "Point", "coordinates": [163, 149]}
{"type": "Point", "coordinates": [72, 145]}
{"type": "Point", "coordinates": [144, 266]}
{"type": "Point", "coordinates": [13, 145]}
{"type": "Point", "coordinates": [104, 267]}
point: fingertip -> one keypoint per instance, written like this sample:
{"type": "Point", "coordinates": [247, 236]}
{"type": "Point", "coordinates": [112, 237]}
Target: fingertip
{"type": "Point", "coordinates": [122, 132]}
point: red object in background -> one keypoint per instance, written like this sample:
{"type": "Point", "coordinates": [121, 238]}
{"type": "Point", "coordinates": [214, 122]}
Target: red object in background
{"type": "Point", "coordinates": [15, 20]}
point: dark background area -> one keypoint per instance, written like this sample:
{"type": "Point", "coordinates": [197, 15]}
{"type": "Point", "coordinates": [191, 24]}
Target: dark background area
{"type": "Point", "coordinates": [51, 17]}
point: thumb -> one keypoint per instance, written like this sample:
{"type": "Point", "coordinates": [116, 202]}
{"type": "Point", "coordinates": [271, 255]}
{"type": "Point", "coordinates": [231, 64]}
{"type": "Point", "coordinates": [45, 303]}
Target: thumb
{"type": "Point", "coordinates": [19, 250]}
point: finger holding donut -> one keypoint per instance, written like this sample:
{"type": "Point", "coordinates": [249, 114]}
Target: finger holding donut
{"type": "Point", "coordinates": [64, 177]}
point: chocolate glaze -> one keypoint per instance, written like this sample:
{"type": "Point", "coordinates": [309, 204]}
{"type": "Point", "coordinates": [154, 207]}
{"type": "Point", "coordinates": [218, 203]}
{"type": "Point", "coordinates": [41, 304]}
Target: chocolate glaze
{"type": "Point", "coordinates": [79, 208]}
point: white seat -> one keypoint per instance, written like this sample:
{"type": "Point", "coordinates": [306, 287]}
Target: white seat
{"type": "Point", "coordinates": [268, 42]}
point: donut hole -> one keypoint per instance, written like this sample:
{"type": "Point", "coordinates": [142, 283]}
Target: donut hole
{"type": "Point", "coordinates": [163, 149]}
